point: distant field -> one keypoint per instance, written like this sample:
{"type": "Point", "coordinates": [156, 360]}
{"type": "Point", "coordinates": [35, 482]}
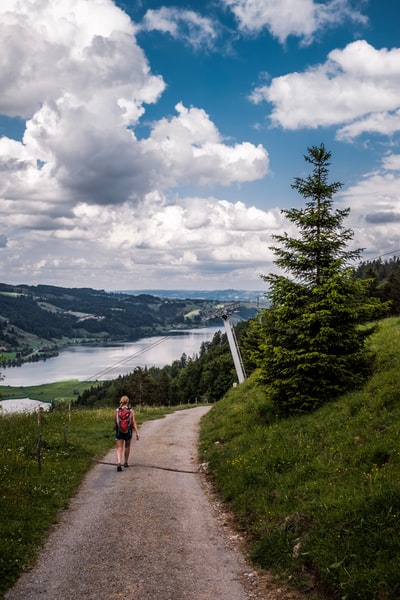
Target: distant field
{"type": "Point", "coordinates": [62, 390]}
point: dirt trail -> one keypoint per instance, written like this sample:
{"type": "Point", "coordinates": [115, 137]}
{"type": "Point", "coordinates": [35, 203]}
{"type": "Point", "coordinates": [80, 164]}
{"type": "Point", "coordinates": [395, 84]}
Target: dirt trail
{"type": "Point", "coordinates": [149, 532]}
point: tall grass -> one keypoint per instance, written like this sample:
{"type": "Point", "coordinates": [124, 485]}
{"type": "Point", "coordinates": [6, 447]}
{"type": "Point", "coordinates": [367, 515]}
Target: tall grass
{"type": "Point", "coordinates": [33, 491]}
{"type": "Point", "coordinates": [319, 494]}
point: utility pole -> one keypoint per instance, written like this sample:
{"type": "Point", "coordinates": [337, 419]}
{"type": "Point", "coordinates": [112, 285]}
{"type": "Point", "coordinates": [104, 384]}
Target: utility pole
{"type": "Point", "coordinates": [237, 359]}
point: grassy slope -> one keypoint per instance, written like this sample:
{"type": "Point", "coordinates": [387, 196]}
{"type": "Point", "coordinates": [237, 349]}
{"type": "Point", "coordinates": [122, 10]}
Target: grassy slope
{"type": "Point", "coordinates": [319, 494]}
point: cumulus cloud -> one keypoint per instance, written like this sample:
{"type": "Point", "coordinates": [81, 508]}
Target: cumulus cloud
{"type": "Point", "coordinates": [80, 80]}
{"type": "Point", "coordinates": [68, 156]}
{"type": "Point", "coordinates": [375, 207]}
{"type": "Point", "coordinates": [283, 18]}
{"type": "Point", "coordinates": [79, 144]}
{"type": "Point", "coordinates": [192, 149]}
{"type": "Point", "coordinates": [185, 25]}
{"type": "Point", "coordinates": [358, 85]}
{"type": "Point", "coordinates": [58, 45]}
{"type": "Point", "coordinates": [82, 197]}
{"type": "Point", "coordinates": [193, 239]}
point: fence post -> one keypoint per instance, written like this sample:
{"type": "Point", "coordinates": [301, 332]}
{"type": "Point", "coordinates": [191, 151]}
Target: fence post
{"type": "Point", "coordinates": [39, 444]}
{"type": "Point", "coordinates": [40, 418]}
{"type": "Point", "coordinates": [39, 452]}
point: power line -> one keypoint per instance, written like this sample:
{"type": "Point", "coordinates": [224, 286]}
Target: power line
{"type": "Point", "coordinates": [127, 359]}
{"type": "Point", "coordinates": [385, 254]}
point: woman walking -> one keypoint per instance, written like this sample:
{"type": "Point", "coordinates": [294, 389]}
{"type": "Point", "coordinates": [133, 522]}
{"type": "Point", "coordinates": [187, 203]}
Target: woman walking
{"type": "Point", "coordinates": [125, 423]}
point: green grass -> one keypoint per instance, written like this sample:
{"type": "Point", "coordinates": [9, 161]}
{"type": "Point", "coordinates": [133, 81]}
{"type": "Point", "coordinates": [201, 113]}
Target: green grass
{"type": "Point", "coordinates": [319, 494]}
{"type": "Point", "coordinates": [32, 497]}
{"type": "Point", "coordinates": [58, 392]}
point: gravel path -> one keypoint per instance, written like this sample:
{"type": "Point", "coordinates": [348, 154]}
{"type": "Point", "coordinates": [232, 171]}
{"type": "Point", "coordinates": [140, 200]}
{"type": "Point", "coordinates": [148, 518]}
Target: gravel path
{"type": "Point", "coordinates": [149, 532]}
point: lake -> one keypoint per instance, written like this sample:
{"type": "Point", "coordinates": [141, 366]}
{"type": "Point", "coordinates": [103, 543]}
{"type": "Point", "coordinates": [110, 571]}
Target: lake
{"type": "Point", "coordinates": [98, 363]}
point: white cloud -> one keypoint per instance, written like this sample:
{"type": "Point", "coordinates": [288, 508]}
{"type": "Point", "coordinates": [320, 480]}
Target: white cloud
{"type": "Point", "coordinates": [58, 45]}
{"type": "Point", "coordinates": [191, 149]}
{"type": "Point", "coordinates": [194, 240]}
{"type": "Point", "coordinates": [82, 199]}
{"type": "Point", "coordinates": [187, 25]}
{"type": "Point", "coordinates": [81, 80]}
{"type": "Point", "coordinates": [358, 85]}
{"type": "Point", "coordinates": [384, 123]}
{"type": "Point", "coordinates": [375, 208]}
{"type": "Point", "coordinates": [77, 146]}
{"type": "Point", "coordinates": [391, 162]}
{"type": "Point", "coordinates": [283, 18]}
{"type": "Point", "coordinates": [87, 160]}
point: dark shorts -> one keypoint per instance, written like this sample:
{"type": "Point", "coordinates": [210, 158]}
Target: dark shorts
{"type": "Point", "coordinates": [123, 436]}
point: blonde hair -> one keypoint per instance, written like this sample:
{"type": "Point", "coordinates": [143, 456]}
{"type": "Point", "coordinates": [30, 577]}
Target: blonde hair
{"type": "Point", "coordinates": [124, 401]}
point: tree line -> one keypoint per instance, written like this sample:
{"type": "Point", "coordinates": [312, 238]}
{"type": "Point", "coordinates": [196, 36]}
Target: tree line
{"type": "Point", "coordinates": [384, 279]}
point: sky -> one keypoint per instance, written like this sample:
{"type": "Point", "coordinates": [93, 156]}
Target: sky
{"type": "Point", "coordinates": [149, 144]}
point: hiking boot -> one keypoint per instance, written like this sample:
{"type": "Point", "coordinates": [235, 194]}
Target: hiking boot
{"type": "Point", "coordinates": [119, 468]}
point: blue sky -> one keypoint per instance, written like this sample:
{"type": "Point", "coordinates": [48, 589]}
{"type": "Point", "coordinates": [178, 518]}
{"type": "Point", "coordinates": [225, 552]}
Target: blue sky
{"type": "Point", "coordinates": [150, 144]}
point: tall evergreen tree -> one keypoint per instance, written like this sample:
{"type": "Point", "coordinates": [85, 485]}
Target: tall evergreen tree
{"type": "Point", "coordinates": [313, 347]}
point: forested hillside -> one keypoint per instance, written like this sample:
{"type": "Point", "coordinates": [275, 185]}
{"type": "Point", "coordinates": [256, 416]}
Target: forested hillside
{"type": "Point", "coordinates": [36, 320]}
{"type": "Point", "coordinates": [385, 280]}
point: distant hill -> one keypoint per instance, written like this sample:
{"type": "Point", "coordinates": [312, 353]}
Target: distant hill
{"type": "Point", "coordinates": [36, 320]}
{"type": "Point", "coordinates": [229, 295]}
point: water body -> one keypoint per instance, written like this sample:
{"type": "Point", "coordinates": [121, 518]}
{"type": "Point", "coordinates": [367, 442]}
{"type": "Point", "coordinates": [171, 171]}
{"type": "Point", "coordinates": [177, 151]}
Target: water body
{"type": "Point", "coordinates": [99, 363]}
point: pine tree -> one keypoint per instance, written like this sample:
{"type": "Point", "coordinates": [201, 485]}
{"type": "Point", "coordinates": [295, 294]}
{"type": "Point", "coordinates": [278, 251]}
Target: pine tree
{"type": "Point", "coordinates": [313, 347]}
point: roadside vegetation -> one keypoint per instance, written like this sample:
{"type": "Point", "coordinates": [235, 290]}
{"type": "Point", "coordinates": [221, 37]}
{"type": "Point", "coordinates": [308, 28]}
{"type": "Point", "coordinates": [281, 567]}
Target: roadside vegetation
{"type": "Point", "coordinates": [318, 494]}
{"type": "Point", "coordinates": [33, 490]}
